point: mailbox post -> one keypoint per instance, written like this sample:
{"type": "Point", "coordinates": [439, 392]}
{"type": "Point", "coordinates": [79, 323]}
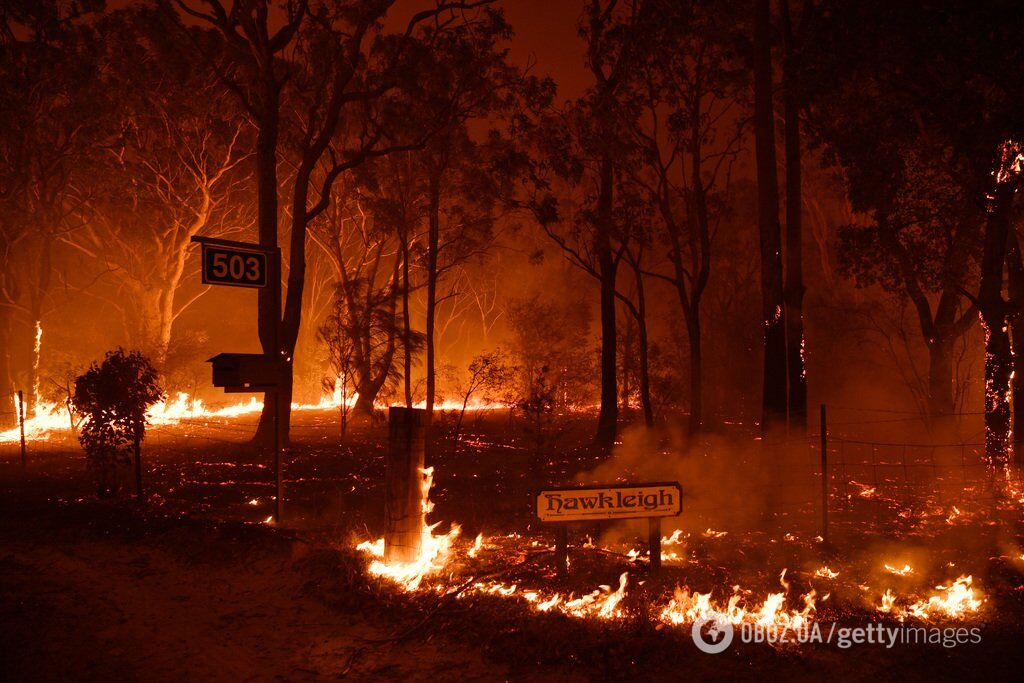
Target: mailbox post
{"type": "Point", "coordinates": [239, 264]}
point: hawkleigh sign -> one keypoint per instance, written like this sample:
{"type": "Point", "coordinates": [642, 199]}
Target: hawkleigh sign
{"type": "Point", "coordinates": [561, 506]}
{"type": "Point", "coordinates": [625, 501]}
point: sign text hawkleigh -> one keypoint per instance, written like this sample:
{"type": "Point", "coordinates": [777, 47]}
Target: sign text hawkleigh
{"type": "Point", "coordinates": [625, 501]}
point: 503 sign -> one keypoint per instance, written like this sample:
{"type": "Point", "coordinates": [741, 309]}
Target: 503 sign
{"type": "Point", "coordinates": [224, 265]}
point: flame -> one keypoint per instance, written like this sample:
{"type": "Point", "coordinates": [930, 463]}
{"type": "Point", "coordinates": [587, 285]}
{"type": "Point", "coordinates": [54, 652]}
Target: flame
{"type": "Point", "coordinates": [603, 603]}
{"type": "Point", "coordinates": [434, 549]}
{"type": "Point", "coordinates": [953, 515]}
{"type": "Point", "coordinates": [904, 571]}
{"type": "Point", "coordinates": [51, 419]}
{"type": "Point", "coordinates": [956, 601]}
{"type": "Point", "coordinates": [825, 573]}
{"type": "Point", "coordinates": [36, 356]}
{"type": "Point", "coordinates": [478, 544]}
{"type": "Point", "coordinates": [687, 607]}
{"type": "Point", "coordinates": [674, 539]}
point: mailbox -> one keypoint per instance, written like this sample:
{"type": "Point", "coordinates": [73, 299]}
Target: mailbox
{"type": "Point", "coordinates": [241, 372]}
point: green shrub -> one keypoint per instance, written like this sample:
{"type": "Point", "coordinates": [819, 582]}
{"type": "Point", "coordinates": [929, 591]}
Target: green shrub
{"type": "Point", "coordinates": [113, 398]}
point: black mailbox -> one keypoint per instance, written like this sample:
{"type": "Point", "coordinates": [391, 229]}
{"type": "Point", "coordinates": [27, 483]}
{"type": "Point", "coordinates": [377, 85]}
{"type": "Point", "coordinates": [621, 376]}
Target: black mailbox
{"type": "Point", "coordinates": [240, 372]}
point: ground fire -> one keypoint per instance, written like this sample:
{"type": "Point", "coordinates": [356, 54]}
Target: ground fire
{"type": "Point", "coordinates": [511, 339]}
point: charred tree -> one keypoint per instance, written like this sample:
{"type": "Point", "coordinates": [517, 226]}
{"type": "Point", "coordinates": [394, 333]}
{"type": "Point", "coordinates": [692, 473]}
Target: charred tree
{"type": "Point", "coordinates": [794, 285]}
{"type": "Point", "coordinates": [775, 397]}
{"type": "Point", "coordinates": [607, 269]}
{"type": "Point", "coordinates": [8, 411]}
{"type": "Point", "coordinates": [994, 311]}
{"type": "Point", "coordinates": [433, 246]}
{"type": "Point", "coordinates": [1015, 290]}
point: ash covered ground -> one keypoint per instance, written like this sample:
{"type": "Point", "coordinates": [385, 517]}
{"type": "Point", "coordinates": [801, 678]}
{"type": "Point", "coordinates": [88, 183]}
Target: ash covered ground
{"type": "Point", "coordinates": [197, 584]}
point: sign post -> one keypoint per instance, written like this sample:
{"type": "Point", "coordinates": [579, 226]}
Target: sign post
{"type": "Point", "coordinates": [652, 501]}
{"type": "Point", "coordinates": [239, 264]}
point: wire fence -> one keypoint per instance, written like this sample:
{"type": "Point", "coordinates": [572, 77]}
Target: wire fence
{"type": "Point", "coordinates": [861, 472]}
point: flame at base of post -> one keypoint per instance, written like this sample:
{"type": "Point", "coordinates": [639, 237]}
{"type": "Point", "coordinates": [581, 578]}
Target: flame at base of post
{"type": "Point", "coordinates": [434, 549]}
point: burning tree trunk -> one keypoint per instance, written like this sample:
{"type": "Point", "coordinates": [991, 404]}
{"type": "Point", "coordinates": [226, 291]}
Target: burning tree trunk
{"type": "Point", "coordinates": [994, 311]}
{"type": "Point", "coordinates": [794, 288]}
{"type": "Point", "coordinates": [1015, 270]}
{"type": "Point", "coordinates": [774, 398]}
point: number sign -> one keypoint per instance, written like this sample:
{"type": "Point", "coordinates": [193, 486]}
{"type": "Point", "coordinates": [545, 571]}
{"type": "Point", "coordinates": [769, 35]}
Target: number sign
{"type": "Point", "coordinates": [224, 265]}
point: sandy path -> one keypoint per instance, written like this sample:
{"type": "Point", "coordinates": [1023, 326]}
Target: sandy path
{"type": "Point", "coordinates": [98, 610]}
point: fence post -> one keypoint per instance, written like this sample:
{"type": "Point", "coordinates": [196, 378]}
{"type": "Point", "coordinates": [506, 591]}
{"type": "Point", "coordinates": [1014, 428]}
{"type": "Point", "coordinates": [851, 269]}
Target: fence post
{"type": "Point", "coordinates": [21, 423]}
{"type": "Point", "coordinates": [403, 490]}
{"type": "Point", "coordinates": [562, 550]}
{"type": "Point", "coordinates": [823, 428]}
{"type": "Point", "coordinates": [654, 542]}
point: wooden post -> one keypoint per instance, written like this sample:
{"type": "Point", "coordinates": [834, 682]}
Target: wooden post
{"type": "Point", "coordinates": [823, 427]}
{"type": "Point", "coordinates": [654, 542]}
{"type": "Point", "coordinates": [403, 491]}
{"type": "Point", "coordinates": [21, 423]}
{"type": "Point", "coordinates": [283, 376]}
{"type": "Point", "coordinates": [562, 549]}
{"type": "Point", "coordinates": [278, 474]}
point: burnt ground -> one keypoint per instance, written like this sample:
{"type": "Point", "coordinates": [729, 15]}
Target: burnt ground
{"type": "Point", "coordinates": [193, 585]}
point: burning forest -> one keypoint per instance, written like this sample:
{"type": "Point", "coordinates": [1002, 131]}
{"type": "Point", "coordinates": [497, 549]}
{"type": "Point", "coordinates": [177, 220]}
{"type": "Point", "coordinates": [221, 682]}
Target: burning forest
{"type": "Point", "coordinates": [503, 339]}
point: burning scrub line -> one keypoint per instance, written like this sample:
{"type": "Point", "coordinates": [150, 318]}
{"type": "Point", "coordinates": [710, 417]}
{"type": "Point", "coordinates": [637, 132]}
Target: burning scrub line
{"type": "Point", "coordinates": [773, 615]}
{"type": "Point", "coordinates": [685, 607]}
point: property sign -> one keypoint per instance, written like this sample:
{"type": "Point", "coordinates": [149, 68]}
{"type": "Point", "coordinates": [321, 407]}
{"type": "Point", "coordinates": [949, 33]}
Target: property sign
{"type": "Point", "coordinates": [237, 266]}
{"type": "Point", "coordinates": [614, 501]}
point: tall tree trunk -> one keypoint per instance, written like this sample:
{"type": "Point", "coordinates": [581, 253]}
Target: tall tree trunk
{"type": "Point", "coordinates": [607, 421]}
{"type": "Point", "coordinates": [696, 370]}
{"type": "Point", "coordinates": [700, 263]}
{"type": "Point", "coordinates": [940, 376]}
{"type": "Point", "coordinates": [406, 322]}
{"type": "Point", "coordinates": [367, 391]}
{"type": "Point", "coordinates": [645, 377]}
{"type": "Point", "coordinates": [268, 316]}
{"type": "Point", "coordinates": [794, 290]}
{"type": "Point", "coordinates": [433, 244]}
{"type": "Point", "coordinates": [994, 309]}
{"type": "Point", "coordinates": [36, 305]}
{"type": "Point", "coordinates": [774, 398]}
{"type": "Point", "coordinates": [8, 412]}
{"type": "Point", "coordinates": [1015, 271]}
{"type": "Point", "coordinates": [628, 370]}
